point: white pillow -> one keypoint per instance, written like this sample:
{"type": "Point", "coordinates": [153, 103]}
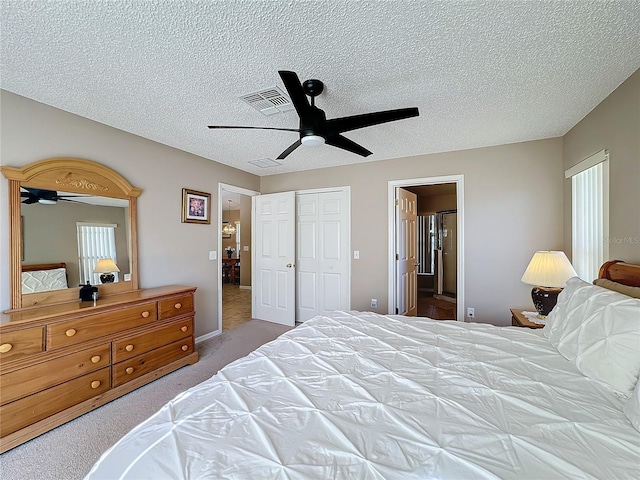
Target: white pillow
{"type": "Point", "coordinates": [568, 313]}
{"type": "Point", "coordinates": [44, 280]}
{"type": "Point", "coordinates": [599, 331]}
{"type": "Point", "coordinates": [632, 408]}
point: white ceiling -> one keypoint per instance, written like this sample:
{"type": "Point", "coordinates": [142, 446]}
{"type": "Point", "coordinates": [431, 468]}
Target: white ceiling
{"type": "Point", "coordinates": [481, 72]}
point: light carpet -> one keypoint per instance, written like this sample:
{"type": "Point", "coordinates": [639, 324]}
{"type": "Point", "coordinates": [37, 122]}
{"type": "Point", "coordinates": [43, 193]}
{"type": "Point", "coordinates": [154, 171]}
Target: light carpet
{"type": "Point", "coordinates": [69, 451]}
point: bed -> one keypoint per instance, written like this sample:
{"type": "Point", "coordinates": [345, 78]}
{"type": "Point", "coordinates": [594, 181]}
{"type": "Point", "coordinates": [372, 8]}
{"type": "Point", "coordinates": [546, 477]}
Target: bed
{"type": "Point", "coordinates": [359, 395]}
{"type": "Point", "coordinates": [44, 277]}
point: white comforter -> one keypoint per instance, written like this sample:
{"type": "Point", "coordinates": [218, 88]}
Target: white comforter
{"type": "Point", "coordinates": [366, 396]}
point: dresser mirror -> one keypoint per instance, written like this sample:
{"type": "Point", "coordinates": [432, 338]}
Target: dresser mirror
{"type": "Point", "coordinates": [65, 213]}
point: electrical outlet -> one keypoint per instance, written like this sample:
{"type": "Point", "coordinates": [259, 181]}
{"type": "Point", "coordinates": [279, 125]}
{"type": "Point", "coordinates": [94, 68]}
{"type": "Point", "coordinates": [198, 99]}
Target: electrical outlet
{"type": "Point", "coordinates": [471, 312]}
{"type": "Point", "coordinates": [374, 303]}
{"type": "Point", "coordinates": [356, 254]}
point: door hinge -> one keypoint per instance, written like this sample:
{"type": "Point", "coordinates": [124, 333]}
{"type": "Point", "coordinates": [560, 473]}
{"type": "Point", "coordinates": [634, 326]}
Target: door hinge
{"type": "Point", "coordinates": [397, 256]}
{"type": "Point", "coordinates": [397, 202]}
{"type": "Point", "coordinates": [396, 310]}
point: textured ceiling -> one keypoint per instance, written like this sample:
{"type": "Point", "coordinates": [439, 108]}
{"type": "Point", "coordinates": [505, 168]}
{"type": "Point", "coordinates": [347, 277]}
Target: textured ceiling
{"type": "Point", "coordinates": [481, 72]}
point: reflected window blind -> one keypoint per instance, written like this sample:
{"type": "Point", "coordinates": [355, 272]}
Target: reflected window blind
{"type": "Point", "coordinates": [95, 241]}
{"type": "Point", "coordinates": [589, 215]}
{"type": "Point", "coordinates": [425, 227]}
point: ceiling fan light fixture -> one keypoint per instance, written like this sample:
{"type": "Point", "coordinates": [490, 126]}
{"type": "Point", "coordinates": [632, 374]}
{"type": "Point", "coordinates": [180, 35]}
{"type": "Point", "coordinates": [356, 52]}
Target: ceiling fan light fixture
{"type": "Point", "coordinates": [46, 201]}
{"type": "Point", "coordinates": [312, 140]}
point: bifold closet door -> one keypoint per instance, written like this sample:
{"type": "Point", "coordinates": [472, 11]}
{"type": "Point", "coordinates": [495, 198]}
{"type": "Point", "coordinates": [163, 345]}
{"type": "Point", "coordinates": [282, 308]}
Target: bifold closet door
{"type": "Point", "coordinates": [322, 253]}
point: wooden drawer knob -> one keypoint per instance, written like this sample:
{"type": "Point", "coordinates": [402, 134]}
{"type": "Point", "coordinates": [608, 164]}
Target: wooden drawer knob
{"type": "Point", "coordinates": [96, 383]}
{"type": "Point", "coordinates": [95, 359]}
{"type": "Point", "coordinates": [185, 348]}
{"type": "Point", "coordinates": [145, 314]}
{"type": "Point", "coordinates": [178, 306]}
{"type": "Point", "coordinates": [129, 348]}
{"type": "Point", "coordinates": [184, 329]}
{"type": "Point", "coordinates": [71, 332]}
{"type": "Point", "coordinates": [129, 370]}
{"type": "Point", "coordinates": [5, 347]}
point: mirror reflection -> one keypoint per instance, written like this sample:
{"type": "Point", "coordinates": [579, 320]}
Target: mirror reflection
{"type": "Point", "coordinates": [65, 235]}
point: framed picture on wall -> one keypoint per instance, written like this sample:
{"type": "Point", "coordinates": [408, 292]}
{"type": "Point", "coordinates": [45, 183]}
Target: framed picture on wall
{"type": "Point", "coordinates": [196, 206]}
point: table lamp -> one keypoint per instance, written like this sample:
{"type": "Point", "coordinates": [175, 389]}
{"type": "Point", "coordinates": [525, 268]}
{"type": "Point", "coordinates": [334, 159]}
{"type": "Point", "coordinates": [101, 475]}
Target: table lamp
{"type": "Point", "coordinates": [106, 267]}
{"type": "Point", "coordinates": [548, 271]}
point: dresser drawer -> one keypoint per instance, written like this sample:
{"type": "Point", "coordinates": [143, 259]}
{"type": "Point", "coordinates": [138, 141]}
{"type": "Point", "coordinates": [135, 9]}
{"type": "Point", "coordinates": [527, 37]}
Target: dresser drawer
{"type": "Point", "coordinates": [72, 332]}
{"type": "Point", "coordinates": [147, 362]}
{"type": "Point", "coordinates": [158, 337]}
{"type": "Point", "coordinates": [29, 380]}
{"type": "Point", "coordinates": [19, 343]}
{"type": "Point", "coordinates": [175, 306]}
{"type": "Point", "coordinates": [28, 410]}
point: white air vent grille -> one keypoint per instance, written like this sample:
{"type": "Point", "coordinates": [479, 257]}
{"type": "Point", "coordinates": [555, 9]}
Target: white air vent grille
{"type": "Point", "coordinates": [269, 101]}
{"type": "Point", "coordinates": [265, 163]}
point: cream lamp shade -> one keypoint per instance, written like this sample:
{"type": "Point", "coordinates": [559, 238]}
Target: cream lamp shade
{"type": "Point", "coordinates": [106, 266]}
{"type": "Point", "coordinates": [548, 271]}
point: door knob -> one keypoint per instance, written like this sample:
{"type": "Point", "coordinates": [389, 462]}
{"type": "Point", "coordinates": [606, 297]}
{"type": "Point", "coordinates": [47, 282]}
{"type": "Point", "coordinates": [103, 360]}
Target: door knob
{"type": "Point", "coordinates": [289, 265]}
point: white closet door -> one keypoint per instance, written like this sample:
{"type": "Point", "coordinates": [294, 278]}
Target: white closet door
{"type": "Point", "coordinates": [322, 262]}
{"type": "Point", "coordinates": [274, 258]}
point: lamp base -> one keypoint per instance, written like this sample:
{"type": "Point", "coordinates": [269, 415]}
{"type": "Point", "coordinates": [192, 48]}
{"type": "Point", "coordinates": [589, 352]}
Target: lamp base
{"type": "Point", "coordinates": [107, 278]}
{"type": "Point", "coordinates": [544, 299]}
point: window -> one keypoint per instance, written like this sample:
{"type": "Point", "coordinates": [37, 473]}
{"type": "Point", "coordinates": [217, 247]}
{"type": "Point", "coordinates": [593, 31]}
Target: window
{"type": "Point", "coordinates": [589, 214]}
{"type": "Point", "coordinates": [95, 241]}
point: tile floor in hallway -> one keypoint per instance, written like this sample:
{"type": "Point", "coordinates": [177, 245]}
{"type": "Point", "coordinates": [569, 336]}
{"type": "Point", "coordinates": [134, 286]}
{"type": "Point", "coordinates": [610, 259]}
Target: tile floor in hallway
{"type": "Point", "coordinates": [236, 306]}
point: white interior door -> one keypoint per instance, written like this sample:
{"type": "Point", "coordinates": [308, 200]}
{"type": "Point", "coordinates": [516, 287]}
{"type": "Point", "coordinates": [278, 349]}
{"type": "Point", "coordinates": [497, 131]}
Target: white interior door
{"type": "Point", "coordinates": [274, 253]}
{"type": "Point", "coordinates": [322, 259]}
{"type": "Point", "coordinates": [406, 256]}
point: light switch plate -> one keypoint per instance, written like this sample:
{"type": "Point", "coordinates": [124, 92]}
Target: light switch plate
{"type": "Point", "coordinates": [213, 255]}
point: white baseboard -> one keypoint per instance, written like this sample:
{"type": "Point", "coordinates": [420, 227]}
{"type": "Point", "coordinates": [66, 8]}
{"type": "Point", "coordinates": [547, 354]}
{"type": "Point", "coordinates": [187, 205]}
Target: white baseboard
{"type": "Point", "coordinates": [207, 336]}
{"type": "Point", "coordinates": [245, 287]}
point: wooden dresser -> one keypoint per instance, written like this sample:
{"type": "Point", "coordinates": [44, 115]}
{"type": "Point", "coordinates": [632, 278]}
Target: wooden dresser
{"type": "Point", "coordinates": [58, 362]}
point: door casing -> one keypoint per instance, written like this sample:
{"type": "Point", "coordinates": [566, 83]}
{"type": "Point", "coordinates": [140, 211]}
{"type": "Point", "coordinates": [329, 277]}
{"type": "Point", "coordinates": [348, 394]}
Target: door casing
{"type": "Point", "coordinates": [393, 185]}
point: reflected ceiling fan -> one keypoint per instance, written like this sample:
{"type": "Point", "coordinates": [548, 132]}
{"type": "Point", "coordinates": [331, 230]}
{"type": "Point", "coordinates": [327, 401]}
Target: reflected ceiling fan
{"type": "Point", "coordinates": [315, 129]}
{"type": "Point", "coordinates": [46, 197]}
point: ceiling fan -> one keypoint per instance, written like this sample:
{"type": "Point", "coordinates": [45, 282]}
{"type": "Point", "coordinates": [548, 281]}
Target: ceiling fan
{"type": "Point", "coordinates": [46, 197]}
{"type": "Point", "coordinates": [315, 129]}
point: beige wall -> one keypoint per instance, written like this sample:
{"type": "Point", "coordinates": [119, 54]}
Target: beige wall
{"type": "Point", "coordinates": [512, 207]}
{"type": "Point", "coordinates": [170, 252]}
{"type": "Point", "coordinates": [614, 125]}
{"type": "Point", "coordinates": [428, 204]}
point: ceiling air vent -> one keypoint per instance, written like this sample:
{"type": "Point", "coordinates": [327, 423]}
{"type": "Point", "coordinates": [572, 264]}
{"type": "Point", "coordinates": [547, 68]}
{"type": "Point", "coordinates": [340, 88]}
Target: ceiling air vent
{"type": "Point", "coordinates": [265, 163]}
{"type": "Point", "coordinates": [269, 101]}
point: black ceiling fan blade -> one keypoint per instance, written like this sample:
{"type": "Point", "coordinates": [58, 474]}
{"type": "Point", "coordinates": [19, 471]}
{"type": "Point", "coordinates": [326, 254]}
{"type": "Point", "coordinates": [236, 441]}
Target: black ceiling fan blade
{"type": "Point", "coordinates": [345, 124]}
{"type": "Point", "coordinates": [296, 93]}
{"type": "Point", "coordinates": [255, 128]}
{"type": "Point", "coordinates": [30, 200]}
{"type": "Point", "coordinates": [291, 148]}
{"type": "Point", "coordinates": [346, 144]}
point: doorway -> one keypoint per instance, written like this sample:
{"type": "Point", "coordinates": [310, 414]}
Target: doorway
{"type": "Point", "coordinates": [234, 265]}
{"type": "Point", "coordinates": [438, 239]}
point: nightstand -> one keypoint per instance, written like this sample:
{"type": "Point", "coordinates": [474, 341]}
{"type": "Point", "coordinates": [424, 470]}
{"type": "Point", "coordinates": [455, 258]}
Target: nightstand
{"type": "Point", "coordinates": [519, 320]}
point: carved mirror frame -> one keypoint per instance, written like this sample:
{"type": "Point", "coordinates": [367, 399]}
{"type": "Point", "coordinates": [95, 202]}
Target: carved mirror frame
{"type": "Point", "coordinates": [74, 175]}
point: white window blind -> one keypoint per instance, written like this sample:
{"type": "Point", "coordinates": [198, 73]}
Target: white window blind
{"type": "Point", "coordinates": [589, 214]}
{"type": "Point", "coordinates": [95, 241]}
